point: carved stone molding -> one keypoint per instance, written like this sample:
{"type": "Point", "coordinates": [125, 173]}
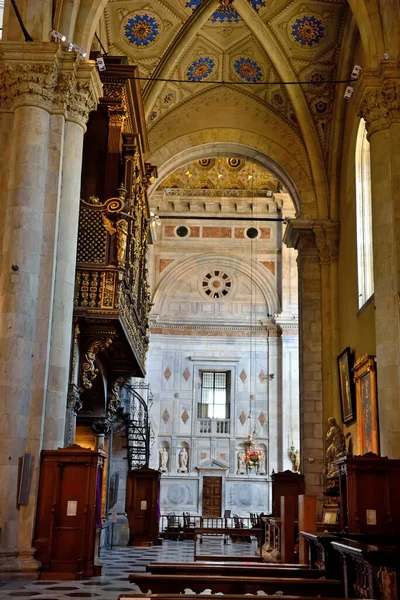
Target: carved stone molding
{"type": "Point", "coordinates": [101, 426]}
{"type": "Point", "coordinates": [84, 95]}
{"type": "Point", "coordinates": [378, 97]}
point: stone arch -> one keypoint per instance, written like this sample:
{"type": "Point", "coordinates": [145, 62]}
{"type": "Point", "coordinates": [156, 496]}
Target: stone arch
{"type": "Point", "coordinates": [220, 148]}
{"type": "Point", "coordinates": [170, 282]}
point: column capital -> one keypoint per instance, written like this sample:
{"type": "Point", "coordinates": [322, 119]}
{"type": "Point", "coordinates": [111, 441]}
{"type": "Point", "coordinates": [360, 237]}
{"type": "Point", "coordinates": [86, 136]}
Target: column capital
{"type": "Point", "coordinates": [315, 239]}
{"type": "Point", "coordinates": [377, 96]}
{"type": "Point", "coordinates": [42, 74]}
{"type": "Point", "coordinates": [28, 74]}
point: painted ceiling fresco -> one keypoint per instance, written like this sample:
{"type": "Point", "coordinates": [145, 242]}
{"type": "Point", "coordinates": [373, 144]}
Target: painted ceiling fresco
{"type": "Point", "coordinates": [222, 173]}
{"type": "Point", "coordinates": [309, 35]}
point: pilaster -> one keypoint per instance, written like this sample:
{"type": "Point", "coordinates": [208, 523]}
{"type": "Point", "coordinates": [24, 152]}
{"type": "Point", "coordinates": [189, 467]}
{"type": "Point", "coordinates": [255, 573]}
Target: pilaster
{"type": "Point", "coordinates": [316, 242]}
{"type": "Point", "coordinates": [378, 102]}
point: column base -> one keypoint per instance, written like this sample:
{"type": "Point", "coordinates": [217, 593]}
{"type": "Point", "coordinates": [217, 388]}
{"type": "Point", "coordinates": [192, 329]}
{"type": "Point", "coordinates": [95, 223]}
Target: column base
{"type": "Point", "coordinates": [19, 564]}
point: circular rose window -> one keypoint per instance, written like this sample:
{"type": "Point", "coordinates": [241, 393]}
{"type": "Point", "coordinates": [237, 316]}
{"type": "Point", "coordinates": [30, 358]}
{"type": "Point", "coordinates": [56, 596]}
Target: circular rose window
{"type": "Point", "coordinates": [216, 284]}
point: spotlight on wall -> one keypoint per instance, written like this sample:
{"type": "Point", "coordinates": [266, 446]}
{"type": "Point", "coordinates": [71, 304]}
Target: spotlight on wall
{"type": "Point", "coordinates": [356, 72]}
{"type": "Point", "coordinates": [349, 92]}
{"type": "Point", "coordinates": [387, 56]}
{"type": "Point", "coordinates": [77, 49]}
{"type": "Point", "coordinates": [57, 36]}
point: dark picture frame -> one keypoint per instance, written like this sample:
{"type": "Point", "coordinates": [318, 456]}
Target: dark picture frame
{"type": "Point", "coordinates": [345, 362]}
{"type": "Point", "coordinates": [367, 405]}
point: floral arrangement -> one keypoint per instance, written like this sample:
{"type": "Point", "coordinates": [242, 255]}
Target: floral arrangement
{"type": "Point", "coordinates": [252, 458]}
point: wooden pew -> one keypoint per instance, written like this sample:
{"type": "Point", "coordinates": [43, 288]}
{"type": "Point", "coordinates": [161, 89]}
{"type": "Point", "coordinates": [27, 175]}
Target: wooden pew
{"type": "Point", "coordinates": [212, 597]}
{"type": "Point", "coordinates": [176, 584]}
{"type": "Point", "coordinates": [230, 569]}
{"type": "Point", "coordinates": [227, 558]}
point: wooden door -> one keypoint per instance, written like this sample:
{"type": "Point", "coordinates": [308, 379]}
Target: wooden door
{"type": "Point", "coordinates": [212, 497]}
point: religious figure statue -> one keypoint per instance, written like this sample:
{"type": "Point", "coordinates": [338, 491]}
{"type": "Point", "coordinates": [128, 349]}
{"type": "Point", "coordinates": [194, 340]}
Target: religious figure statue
{"type": "Point", "coordinates": [183, 461]}
{"type": "Point", "coordinates": [122, 236]}
{"type": "Point", "coordinates": [163, 460]}
{"type": "Point", "coordinates": [294, 456]}
{"type": "Point", "coordinates": [261, 464]}
{"type": "Point", "coordinates": [336, 447]}
{"type": "Point", "coordinates": [241, 463]}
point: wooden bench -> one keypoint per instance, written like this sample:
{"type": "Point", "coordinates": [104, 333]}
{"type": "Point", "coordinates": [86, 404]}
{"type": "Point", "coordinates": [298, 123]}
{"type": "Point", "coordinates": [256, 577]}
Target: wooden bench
{"type": "Point", "coordinates": [227, 532]}
{"type": "Point", "coordinates": [212, 597]}
{"type": "Point", "coordinates": [227, 558]}
{"type": "Point", "coordinates": [176, 584]}
{"type": "Point", "coordinates": [229, 569]}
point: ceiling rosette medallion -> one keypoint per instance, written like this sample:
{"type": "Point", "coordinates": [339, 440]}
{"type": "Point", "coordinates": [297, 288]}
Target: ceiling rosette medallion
{"type": "Point", "coordinates": [201, 68]}
{"type": "Point", "coordinates": [141, 29]}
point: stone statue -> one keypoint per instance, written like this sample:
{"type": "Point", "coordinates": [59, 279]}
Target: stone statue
{"type": "Point", "coordinates": [336, 447]}
{"type": "Point", "coordinates": [261, 464]}
{"type": "Point", "coordinates": [164, 460]}
{"type": "Point", "coordinates": [294, 456]}
{"type": "Point", "coordinates": [241, 463]}
{"type": "Point", "coordinates": [183, 461]}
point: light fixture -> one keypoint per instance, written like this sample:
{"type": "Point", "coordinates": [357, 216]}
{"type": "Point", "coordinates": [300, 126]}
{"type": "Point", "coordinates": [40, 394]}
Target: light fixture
{"type": "Point", "coordinates": [77, 49]}
{"type": "Point", "coordinates": [57, 36]}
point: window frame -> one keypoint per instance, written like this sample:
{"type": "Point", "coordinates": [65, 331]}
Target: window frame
{"type": "Point", "coordinates": [227, 389]}
{"type": "Point", "coordinates": [364, 237]}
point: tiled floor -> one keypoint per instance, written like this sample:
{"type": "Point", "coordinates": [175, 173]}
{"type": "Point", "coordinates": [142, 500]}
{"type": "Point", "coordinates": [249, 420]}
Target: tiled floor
{"type": "Point", "coordinates": [117, 564]}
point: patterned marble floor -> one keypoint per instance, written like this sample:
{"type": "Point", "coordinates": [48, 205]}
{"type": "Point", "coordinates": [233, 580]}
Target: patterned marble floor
{"type": "Point", "coordinates": [117, 564]}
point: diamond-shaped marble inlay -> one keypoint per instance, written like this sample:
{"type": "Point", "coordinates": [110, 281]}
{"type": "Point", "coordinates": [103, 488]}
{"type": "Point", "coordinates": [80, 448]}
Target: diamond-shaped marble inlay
{"type": "Point", "coordinates": [261, 419]}
{"type": "Point", "coordinates": [261, 376]}
{"type": "Point", "coordinates": [242, 417]}
{"type": "Point", "coordinates": [167, 373]}
{"type": "Point", "coordinates": [185, 416]}
{"type": "Point", "coordinates": [243, 375]}
{"type": "Point", "coordinates": [186, 374]}
{"type": "Point", "coordinates": [165, 416]}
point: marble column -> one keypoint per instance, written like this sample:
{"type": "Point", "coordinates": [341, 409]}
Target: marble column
{"type": "Point", "coordinates": [82, 98]}
{"type": "Point", "coordinates": [300, 235]}
{"type": "Point", "coordinates": [30, 79]}
{"type": "Point", "coordinates": [379, 104]}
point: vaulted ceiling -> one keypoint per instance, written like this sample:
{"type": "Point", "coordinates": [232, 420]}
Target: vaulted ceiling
{"type": "Point", "coordinates": [226, 49]}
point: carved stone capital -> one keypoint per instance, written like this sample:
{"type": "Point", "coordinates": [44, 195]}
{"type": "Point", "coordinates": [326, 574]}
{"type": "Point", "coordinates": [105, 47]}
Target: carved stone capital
{"type": "Point", "coordinates": [29, 74]}
{"type": "Point", "coordinates": [378, 96]}
{"type": "Point", "coordinates": [315, 240]}
{"type": "Point", "coordinates": [101, 426]}
{"type": "Point", "coordinates": [85, 93]}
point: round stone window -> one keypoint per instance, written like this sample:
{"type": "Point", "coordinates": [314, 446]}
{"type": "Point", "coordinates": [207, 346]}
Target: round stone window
{"type": "Point", "coordinates": [252, 233]}
{"type": "Point", "coordinates": [216, 284]}
{"type": "Point", "coordinates": [182, 231]}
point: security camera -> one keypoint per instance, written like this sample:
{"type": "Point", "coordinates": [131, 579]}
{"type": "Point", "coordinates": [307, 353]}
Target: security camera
{"type": "Point", "coordinates": [356, 72]}
{"type": "Point", "coordinates": [101, 65]}
{"type": "Point", "coordinates": [349, 92]}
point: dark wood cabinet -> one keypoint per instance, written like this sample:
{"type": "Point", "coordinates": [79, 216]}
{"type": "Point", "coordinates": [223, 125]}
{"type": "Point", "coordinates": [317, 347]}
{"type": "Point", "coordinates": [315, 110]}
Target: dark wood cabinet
{"type": "Point", "coordinates": [142, 506]}
{"type": "Point", "coordinates": [369, 495]}
{"type": "Point", "coordinates": [68, 511]}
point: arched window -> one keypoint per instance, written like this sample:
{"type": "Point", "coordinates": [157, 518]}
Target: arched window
{"type": "Point", "coordinates": [365, 264]}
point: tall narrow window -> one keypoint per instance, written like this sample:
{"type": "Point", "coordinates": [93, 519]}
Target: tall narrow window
{"type": "Point", "coordinates": [365, 263]}
{"type": "Point", "coordinates": [214, 402]}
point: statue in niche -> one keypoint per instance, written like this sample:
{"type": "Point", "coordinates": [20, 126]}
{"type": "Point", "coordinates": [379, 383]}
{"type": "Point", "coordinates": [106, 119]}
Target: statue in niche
{"type": "Point", "coordinates": [336, 441]}
{"type": "Point", "coordinates": [261, 464]}
{"type": "Point", "coordinates": [183, 461]}
{"type": "Point", "coordinates": [164, 460]}
{"type": "Point", "coordinates": [241, 463]}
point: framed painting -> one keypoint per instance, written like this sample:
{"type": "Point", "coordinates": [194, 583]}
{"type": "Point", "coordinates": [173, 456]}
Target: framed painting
{"type": "Point", "coordinates": [367, 405]}
{"type": "Point", "coordinates": [346, 385]}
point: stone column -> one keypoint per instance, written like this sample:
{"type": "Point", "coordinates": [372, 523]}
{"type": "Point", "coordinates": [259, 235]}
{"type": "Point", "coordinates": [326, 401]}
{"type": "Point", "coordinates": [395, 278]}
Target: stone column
{"type": "Point", "coordinates": [378, 100]}
{"type": "Point", "coordinates": [300, 235]}
{"type": "Point", "coordinates": [30, 76]}
{"type": "Point", "coordinates": [79, 99]}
